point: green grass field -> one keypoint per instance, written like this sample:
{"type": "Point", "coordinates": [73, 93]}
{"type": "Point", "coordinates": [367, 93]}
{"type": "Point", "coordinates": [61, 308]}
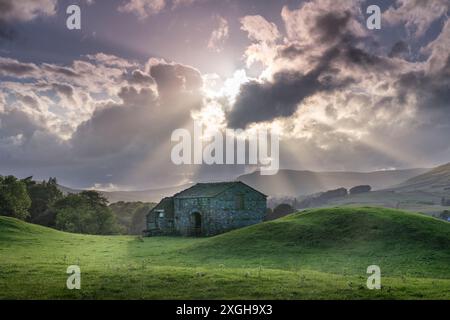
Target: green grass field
{"type": "Point", "coordinates": [316, 254]}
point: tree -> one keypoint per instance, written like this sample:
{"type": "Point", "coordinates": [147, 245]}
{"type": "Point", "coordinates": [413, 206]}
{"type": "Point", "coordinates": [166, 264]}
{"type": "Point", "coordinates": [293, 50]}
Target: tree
{"type": "Point", "coordinates": [14, 199]}
{"type": "Point", "coordinates": [86, 212]}
{"type": "Point", "coordinates": [43, 195]}
{"type": "Point", "coordinates": [360, 189]}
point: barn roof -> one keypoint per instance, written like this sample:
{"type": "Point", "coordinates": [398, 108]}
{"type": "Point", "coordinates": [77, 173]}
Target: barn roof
{"type": "Point", "coordinates": [166, 204]}
{"type": "Point", "coordinates": [209, 190]}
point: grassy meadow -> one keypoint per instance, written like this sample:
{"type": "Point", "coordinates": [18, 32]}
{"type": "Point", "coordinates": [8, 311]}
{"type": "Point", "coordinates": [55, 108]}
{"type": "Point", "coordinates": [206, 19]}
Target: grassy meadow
{"type": "Point", "coordinates": [315, 254]}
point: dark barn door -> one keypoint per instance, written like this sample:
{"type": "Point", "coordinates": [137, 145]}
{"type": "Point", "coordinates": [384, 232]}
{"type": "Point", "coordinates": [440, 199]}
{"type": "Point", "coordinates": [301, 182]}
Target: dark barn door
{"type": "Point", "coordinates": [196, 224]}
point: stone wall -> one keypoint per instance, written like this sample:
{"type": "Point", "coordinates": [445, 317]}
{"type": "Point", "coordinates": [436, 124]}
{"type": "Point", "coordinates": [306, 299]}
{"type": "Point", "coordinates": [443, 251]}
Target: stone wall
{"type": "Point", "coordinates": [184, 209]}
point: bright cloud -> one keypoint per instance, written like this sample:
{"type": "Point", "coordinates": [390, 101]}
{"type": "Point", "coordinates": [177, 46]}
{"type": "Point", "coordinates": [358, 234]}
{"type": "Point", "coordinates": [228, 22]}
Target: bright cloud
{"type": "Point", "coordinates": [219, 35]}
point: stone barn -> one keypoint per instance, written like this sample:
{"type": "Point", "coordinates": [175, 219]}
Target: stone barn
{"type": "Point", "coordinates": [207, 209]}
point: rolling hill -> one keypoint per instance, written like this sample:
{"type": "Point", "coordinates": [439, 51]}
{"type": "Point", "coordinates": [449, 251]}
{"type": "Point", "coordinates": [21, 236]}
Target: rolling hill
{"type": "Point", "coordinates": [294, 183]}
{"type": "Point", "coordinates": [436, 180]}
{"type": "Point", "coordinates": [317, 254]}
{"type": "Point", "coordinates": [339, 240]}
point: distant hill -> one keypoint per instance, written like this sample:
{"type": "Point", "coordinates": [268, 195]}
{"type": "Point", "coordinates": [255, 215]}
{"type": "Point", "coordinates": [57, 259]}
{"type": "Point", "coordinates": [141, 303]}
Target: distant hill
{"type": "Point", "coordinates": [294, 183]}
{"type": "Point", "coordinates": [287, 183]}
{"type": "Point", "coordinates": [422, 193]}
{"type": "Point", "coordinates": [152, 195]}
{"type": "Point", "coordinates": [436, 180]}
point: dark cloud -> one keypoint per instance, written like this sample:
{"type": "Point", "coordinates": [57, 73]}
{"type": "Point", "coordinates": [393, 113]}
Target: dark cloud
{"type": "Point", "coordinates": [175, 78]}
{"type": "Point", "coordinates": [342, 50]}
{"type": "Point", "coordinates": [353, 56]}
{"type": "Point", "coordinates": [10, 67]}
{"type": "Point", "coordinates": [63, 89]}
{"type": "Point", "coordinates": [24, 10]}
{"type": "Point", "coordinates": [259, 102]}
{"type": "Point", "coordinates": [139, 77]}
{"type": "Point", "coordinates": [432, 91]}
{"type": "Point", "coordinates": [332, 25]}
{"type": "Point", "coordinates": [16, 123]}
{"type": "Point", "coordinates": [291, 51]}
{"type": "Point", "coordinates": [64, 71]}
{"type": "Point", "coordinates": [398, 49]}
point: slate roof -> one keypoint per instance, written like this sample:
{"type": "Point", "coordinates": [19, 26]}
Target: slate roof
{"type": "Point", "coordinates": [209, 190]}
{"type": "Point", "coordinates": [166, 204]}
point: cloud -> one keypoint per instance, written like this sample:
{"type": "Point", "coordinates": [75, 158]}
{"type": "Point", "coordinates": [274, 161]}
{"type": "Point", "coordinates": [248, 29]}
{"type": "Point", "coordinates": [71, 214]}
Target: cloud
{"type": "Point", "coordinates": [219, 35]}
{"type": "Point", "coordinates": [341, 100]}
{"type": "Point", "coordinates": [398, 49]}
{"type": "Point", "coordinates": [259, 29]}
{"type": "Point", "coordinates": [323, 67]}
{"type": "Point", "coordinates": [139, 77]}
{"type": "Point", "coordinates": [267, 100]}
{"type": "Point", "coordinates": [173, 78]}
{"type": "Point", "coordinates": [26, 10]}
{"type": "Point", "coordinates": [64, 95]}
{"type": "Point", "coordinates": [179, 3]}
{"type": "Point", "coordinates": [133, 136]}
{"type": "Point", "coordinates": [11, 67]}
{"type": "Point", "coordinates": [416, 15]}
{"type": "Point", "coordinates": [437, 50]}
{"type": "Point", "coordinates": [146, 8]}
{"type": "Point", "coordinates": [143, 8]}
{"type": "Point", "coordinates": [317, 23]}
{"type": "Point", "coordinates": [125, 129]}
{"type": "Point", "coordinates": [263, 35]}
{"type": "Point", "coordinates": [110, 60]}
{"type": "Point", "coordinates": [342, 97]}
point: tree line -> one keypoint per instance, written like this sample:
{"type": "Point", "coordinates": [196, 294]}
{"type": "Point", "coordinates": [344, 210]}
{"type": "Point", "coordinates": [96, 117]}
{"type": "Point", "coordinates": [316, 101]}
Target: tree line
{"type": "Point", "coordinates": [44, 204]}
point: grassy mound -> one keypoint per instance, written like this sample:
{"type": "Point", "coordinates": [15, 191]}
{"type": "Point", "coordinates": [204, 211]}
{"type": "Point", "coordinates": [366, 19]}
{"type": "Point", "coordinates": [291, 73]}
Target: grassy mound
{"type": "Point", "coordinates": [339, 240]}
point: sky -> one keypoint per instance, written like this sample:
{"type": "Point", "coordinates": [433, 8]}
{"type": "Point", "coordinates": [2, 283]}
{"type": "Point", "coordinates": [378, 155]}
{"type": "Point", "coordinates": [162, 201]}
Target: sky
{"type": "Point", "coordinates": [96, 107]}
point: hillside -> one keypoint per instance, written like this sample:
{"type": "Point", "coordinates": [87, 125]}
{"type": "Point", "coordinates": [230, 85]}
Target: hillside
{"type": "Point", "coordinates": [151, 195]}
{"type": "Point", "coordinates": [436, 180]}
{"type": "Point", "coordinates": [340, 240]}
{"type": "Point", "coordinates": [418, 201]}
{"type": "Point", "coordinates": [294, 183]}
{"type": "Point", "coordinates": [318, 254]}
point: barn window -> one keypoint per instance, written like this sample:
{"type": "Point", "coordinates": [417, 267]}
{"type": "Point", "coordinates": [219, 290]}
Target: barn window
{"type": "Point", "coordinates": [239, 202]}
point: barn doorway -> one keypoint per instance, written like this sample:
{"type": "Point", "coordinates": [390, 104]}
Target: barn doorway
{"type": "Point", "coordinates": [196, 224]}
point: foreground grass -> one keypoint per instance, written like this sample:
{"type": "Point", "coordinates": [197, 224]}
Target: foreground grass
{"type": "Point", "coordinates": [320, 254]}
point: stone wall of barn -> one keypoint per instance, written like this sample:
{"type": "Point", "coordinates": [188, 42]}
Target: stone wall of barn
{"type": "Point", "coordinates": [238, 207]}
